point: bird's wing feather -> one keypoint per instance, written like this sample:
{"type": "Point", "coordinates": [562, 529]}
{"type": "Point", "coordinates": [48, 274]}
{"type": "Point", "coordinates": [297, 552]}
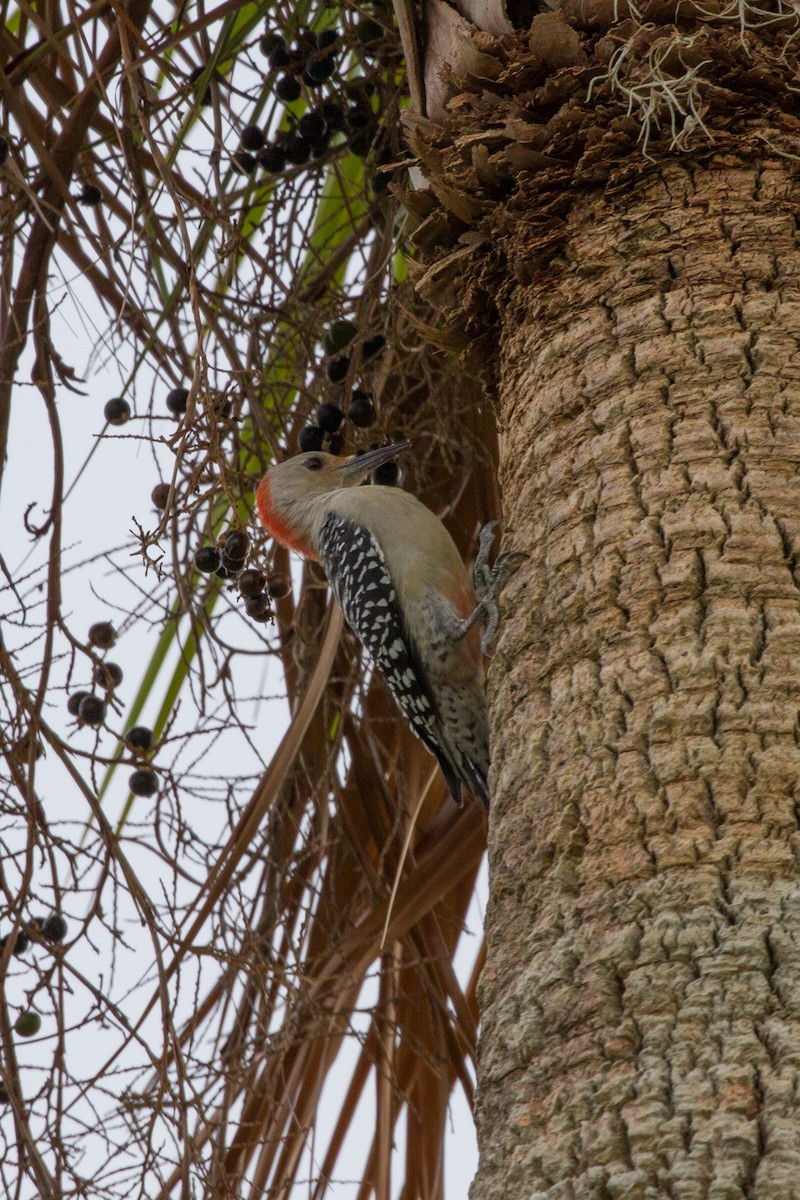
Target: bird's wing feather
{"type": "Point", "coordinates": [358, 574]}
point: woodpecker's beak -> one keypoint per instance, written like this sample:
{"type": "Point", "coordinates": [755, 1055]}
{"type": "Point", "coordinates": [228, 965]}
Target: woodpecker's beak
{"type": "Point", "coordinates": [362, 465]}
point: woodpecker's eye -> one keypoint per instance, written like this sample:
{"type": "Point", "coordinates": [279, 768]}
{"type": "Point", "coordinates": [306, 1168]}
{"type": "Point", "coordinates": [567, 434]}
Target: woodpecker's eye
{"type": "Point", "coordinates": [314, 464]}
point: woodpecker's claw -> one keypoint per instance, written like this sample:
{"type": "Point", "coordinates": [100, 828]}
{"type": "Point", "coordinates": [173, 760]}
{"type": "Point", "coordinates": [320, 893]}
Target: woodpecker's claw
{"type": "Point", "coordinates": [481, 571]}
{"type": "Point", "coordinates": [489, 583]}
{"type": "Point", "coordinates": [501, 572]}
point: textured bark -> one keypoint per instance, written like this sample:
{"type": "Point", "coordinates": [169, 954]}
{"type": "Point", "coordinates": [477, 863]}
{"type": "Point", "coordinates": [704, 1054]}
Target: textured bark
{"type": "Point", "coordinates": [641, 1000]}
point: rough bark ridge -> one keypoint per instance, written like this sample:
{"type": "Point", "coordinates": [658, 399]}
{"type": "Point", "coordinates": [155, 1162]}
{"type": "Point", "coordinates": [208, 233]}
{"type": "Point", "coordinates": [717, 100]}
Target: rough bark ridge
{"type": "Point", "coordinates": [641, 1001]}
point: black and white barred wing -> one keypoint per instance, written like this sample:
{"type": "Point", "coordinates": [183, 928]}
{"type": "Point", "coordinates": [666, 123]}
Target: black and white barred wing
{"type": "Point", "coordinates": [361, 582]}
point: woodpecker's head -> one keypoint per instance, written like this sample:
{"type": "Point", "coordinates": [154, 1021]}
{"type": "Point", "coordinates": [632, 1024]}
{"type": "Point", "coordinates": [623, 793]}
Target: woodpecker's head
{"type": "Point", "coordinates": [291, 497]}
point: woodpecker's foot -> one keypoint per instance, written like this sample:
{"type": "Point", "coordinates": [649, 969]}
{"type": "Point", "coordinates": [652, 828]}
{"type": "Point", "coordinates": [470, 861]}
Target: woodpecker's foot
{"type": "Point", "coordinates": [504, 567]}
{"type": "Point", "coordinates": [489, 583]}
{"type": "Point", "coordinates": [481, 571]}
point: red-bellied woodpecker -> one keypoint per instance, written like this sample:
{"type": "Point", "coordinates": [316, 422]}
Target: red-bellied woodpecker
{"type": "Point", "coordinates": [404, 592]}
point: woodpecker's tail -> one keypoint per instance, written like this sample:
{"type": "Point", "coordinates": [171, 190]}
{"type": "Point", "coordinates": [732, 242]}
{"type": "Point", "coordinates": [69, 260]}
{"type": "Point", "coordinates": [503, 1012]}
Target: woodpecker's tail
{"type": "Point", "coordinates": [477, 782]}
{"type": "Point", "coordinates": [465, 774]}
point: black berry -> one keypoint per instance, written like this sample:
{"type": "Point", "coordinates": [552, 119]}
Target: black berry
{"type": "Point", "coordinates": [176, 401]}
{"type": "Point", "coordinates": [54, 928]}
{"type": "Point", "coordinates": [91, 710]}
{"type": "Point", "coordinates": [251, 583]}
{"type": "Point", "coordinates": [312, 126]}
{"type": "Point", "coordinates": [337, 368]}
{"type": "Point", "coordinates": [280, 56]}
{"type": "Point", "coordinates": [273, 159]}
{"type": "Point", "coordinates": [229, 567]}
{"type": "Point", "coordinates": [160, 496]}
{"type": "Point", "coordinates": [74, 702]}
{"type": "Point", "coordinates": [21, 943]}
{"type": "Point", "coordinates": [339, 334]}
{"type": "Point", "coordinates": [244, 162]}
{"type": "Point", "coordinates": [334, 115]}
{"type": "Point", "coordinates": [327, 38]}
{"type": "Point", "coordinates": [28, 1024]}
{"type": "Point", "coordinates": [335, 443]}
{"type": "Point", "coordinates": [287, 89]}
{"type": "Point", "coordinates": [269, 42]}
{"type": "Point", "coordinates": [237, 545]}
{"type": "Point", "coordinates": [102, 635]}
{"type": "Point", "coordinates": [117, 412]}
{"type": "Point", "coordinates": [279, 585]}
{"type": "Point", "coordinates": [143, 782]}
{"type": "Point", "coordinates": [362, 409]}
{"type": "Point", "coordinates": [329, 417]}
{"type": "Point", "coordinates": [258, 608]}
{"type": "Point", "coordinates": [207, 559]}
{"type": "Point", "coordinates": [252, 137]}
{"type": "Point", "coordinates": [90, 195]}
{"type": "Point", "coordinates": [140, 739]}
{"type": "Point", "coordinates": [297, 149]}
{"type": "Point", "coordinates": [3, 150]}
{"type": "Point", "coordinates": [109, 675]}
{"type": "Point", "coordinates": [311, 438]}
{"type": "Point", "coordinates": [373, 346]}
{"type": "Point", "coordinates": [315, 73]}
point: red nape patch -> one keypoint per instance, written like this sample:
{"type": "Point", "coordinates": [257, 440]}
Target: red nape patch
{"type": "Point", "coordinates": [277, 525]}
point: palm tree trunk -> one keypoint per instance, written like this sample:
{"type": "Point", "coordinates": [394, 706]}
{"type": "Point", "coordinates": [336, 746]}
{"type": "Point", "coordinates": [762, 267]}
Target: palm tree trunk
{"type": "Point", "coordinates": [641, 1009]}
